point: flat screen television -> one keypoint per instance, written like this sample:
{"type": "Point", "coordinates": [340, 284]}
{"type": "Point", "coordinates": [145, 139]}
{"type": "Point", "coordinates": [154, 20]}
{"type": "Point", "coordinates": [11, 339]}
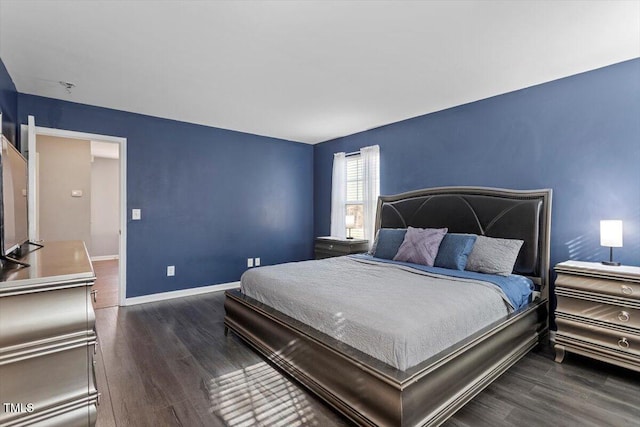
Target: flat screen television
{"type": "Point", "coordinates": [15, 223]}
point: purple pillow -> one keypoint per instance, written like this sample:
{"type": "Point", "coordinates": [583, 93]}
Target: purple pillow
{"type": "Point", "coordinates": [420, 245]}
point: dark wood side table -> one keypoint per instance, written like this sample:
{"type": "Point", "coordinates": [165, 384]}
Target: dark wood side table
{"type": "Point", "coordinates": [328, 246]}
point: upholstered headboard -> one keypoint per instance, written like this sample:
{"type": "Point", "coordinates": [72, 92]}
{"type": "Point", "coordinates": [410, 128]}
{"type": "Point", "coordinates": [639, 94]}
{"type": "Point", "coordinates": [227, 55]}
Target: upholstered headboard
{"type": "Point", "coordinates": [493, 212]}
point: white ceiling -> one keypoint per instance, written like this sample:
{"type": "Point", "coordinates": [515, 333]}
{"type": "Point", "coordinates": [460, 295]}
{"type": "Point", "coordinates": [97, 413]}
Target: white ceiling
{"type": "Point", "coordinates": [306, 71]}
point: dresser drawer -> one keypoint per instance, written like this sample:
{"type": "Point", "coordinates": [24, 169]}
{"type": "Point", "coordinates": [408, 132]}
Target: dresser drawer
{"type": "Point", "coordinates": [609, 313]}
{"type": "Point", "coordinates": [31, 317]}
{"type": "Point", "coordinates": [50, 378]}
{"type": "Point", "coordinates": [600, 337]}
{"type": "Point", "coordinates": [618, 288]}
{"type": "Point", "coordinates": [82, 416]}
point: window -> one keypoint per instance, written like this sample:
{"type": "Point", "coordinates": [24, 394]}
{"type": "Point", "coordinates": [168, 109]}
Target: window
{"type": "Point", "coordinates": [355, 187]}
{"type": "Point", "coordinates": [354, 204]}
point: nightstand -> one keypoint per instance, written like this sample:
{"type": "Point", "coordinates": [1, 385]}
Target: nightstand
{"type": "Point", "coordinates": [327, 247]}
{"type": "Point", "coordinates": [598, 312]}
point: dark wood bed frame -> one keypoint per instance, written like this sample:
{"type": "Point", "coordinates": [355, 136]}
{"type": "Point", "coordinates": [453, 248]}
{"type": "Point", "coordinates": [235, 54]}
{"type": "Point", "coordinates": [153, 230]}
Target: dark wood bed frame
{"type": "Point", "coordinates": [370, 392]}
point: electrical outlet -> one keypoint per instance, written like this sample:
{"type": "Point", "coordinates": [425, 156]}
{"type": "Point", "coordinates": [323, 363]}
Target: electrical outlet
{"type": "Point", "coordinates": [249, 262]}
{"type": "Point", "coordinates": [257, 262]}
{"type": "Point", "coordinates": [171, 270]}
{"type": "Point", "coordinates": [136, 214]}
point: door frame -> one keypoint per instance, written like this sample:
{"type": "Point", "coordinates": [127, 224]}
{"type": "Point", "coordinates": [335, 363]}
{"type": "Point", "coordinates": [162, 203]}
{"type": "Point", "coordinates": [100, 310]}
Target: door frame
{"type": "Point", "coordinates": [61, 133]}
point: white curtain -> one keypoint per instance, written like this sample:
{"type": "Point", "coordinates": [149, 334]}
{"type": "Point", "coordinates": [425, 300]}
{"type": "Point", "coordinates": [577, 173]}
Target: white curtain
{"type": "Point", "coordinates": [371, 183]}
{"type": "Point", "coordinates": [338, 195]}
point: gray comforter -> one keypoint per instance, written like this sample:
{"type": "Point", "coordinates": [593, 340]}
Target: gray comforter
{"type": "Point", "coordinates": [396, 314]}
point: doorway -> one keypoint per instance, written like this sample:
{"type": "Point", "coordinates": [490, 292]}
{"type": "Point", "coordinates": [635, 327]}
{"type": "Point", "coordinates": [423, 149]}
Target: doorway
{"type": "Point", "coordinates": [97, 205]}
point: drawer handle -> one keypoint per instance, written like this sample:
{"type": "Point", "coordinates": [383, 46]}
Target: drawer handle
{"type": "Point", "coordinates": [627, 290]}
{"type": "Point", "coordinates": [623, 343]}
{"type": "Point", "coordinates": [623, 316]}
{"type": "Point", "coordinates": [98, 398]}
{"type": "Point", "coordinates": [94, 293]}
{"type": "Point", "coordinates": [330, 246]}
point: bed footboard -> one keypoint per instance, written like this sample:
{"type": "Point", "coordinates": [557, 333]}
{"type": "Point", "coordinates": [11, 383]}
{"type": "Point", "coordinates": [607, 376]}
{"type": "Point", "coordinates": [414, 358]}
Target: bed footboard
{"type": "Point", "coordinates": [371, 393]}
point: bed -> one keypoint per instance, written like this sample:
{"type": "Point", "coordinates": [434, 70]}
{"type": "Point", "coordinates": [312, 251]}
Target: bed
{"type": "Point", "coordinates": [403, 389]}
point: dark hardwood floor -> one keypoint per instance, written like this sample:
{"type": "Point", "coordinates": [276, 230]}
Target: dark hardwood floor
{"type": "Point", "coordinates": [169, 364]}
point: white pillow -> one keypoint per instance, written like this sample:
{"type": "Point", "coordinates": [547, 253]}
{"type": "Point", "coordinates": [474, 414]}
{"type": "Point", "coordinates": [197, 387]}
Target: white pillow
{"type": "Point", "coordinates": [493, 255]}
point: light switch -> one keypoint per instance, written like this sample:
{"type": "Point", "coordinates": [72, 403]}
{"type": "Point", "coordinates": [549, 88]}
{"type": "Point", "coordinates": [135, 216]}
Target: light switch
{"type": "Point", "coordinates": [76, 193]}
{"type": "Point", "coordinates": [136, 214]}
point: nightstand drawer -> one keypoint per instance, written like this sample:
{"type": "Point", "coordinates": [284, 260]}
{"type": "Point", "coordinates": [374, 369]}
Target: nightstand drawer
{"type": "Point", "coordinates": [609, 313]}
{"type": "Point", "coordinates": [598, 312]}
{"type": "Point", "coordinates": [619, 288]}
{"type": "Point", "coordinates": [326, 247]}
{"type": "Point", "coordinates": [329, 246]}
{"type": "Point", "coordinates": [574, 332]}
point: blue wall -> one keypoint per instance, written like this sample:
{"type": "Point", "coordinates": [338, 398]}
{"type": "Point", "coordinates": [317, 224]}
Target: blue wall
{"type": "Point", "coordinates": [210, 198]}
{"type": "Point", "coordinates": [579, 136]}
{"type": "Point", "coordinates": [8, 103]}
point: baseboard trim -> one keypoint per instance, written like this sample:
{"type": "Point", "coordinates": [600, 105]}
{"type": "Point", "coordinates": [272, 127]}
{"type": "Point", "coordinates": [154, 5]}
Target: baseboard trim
{"type": "Point", "coordinates": [104, 258]}
{"type": "Point", "coordinates": [181, 293]}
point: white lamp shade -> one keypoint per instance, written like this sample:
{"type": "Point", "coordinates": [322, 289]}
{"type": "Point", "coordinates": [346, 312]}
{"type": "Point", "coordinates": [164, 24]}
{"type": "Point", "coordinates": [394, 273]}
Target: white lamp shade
{"type": "Point", "coordinates": [350, 221]}
{"type": "Point", "coordinates": [611, 233]}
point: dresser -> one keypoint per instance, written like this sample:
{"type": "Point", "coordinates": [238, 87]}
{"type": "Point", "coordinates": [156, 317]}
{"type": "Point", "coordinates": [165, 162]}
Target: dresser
{"type": "Point", "coordinates": [598, 312]}
{"type": "Point", "coordinates": [47, 339]}
{"type": "Point", "coordinates": [326, 247]}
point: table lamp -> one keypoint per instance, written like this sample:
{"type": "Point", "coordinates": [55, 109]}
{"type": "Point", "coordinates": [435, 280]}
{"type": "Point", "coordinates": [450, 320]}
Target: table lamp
{"type": "Point", "coordinates": [611, 236]}
{"type": "Point", "coordinates": [350, 222]}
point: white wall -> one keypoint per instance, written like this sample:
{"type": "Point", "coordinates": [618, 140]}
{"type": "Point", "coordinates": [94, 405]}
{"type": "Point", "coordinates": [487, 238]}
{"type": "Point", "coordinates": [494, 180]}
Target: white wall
{"type": "Point", "coordinates": [105, 214]}
{"type": "Point", "coordinates": [64, 165]}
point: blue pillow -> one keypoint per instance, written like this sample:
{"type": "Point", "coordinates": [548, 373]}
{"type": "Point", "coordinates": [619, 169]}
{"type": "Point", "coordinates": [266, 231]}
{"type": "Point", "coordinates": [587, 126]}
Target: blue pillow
{"type": "Point", "coordinates": [454, 251]}
{"type": "Point", "coordinates": [388, 242]}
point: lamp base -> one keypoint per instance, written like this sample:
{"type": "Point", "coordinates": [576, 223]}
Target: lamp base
{"type": "Point", "coordinates": [611, 263]}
